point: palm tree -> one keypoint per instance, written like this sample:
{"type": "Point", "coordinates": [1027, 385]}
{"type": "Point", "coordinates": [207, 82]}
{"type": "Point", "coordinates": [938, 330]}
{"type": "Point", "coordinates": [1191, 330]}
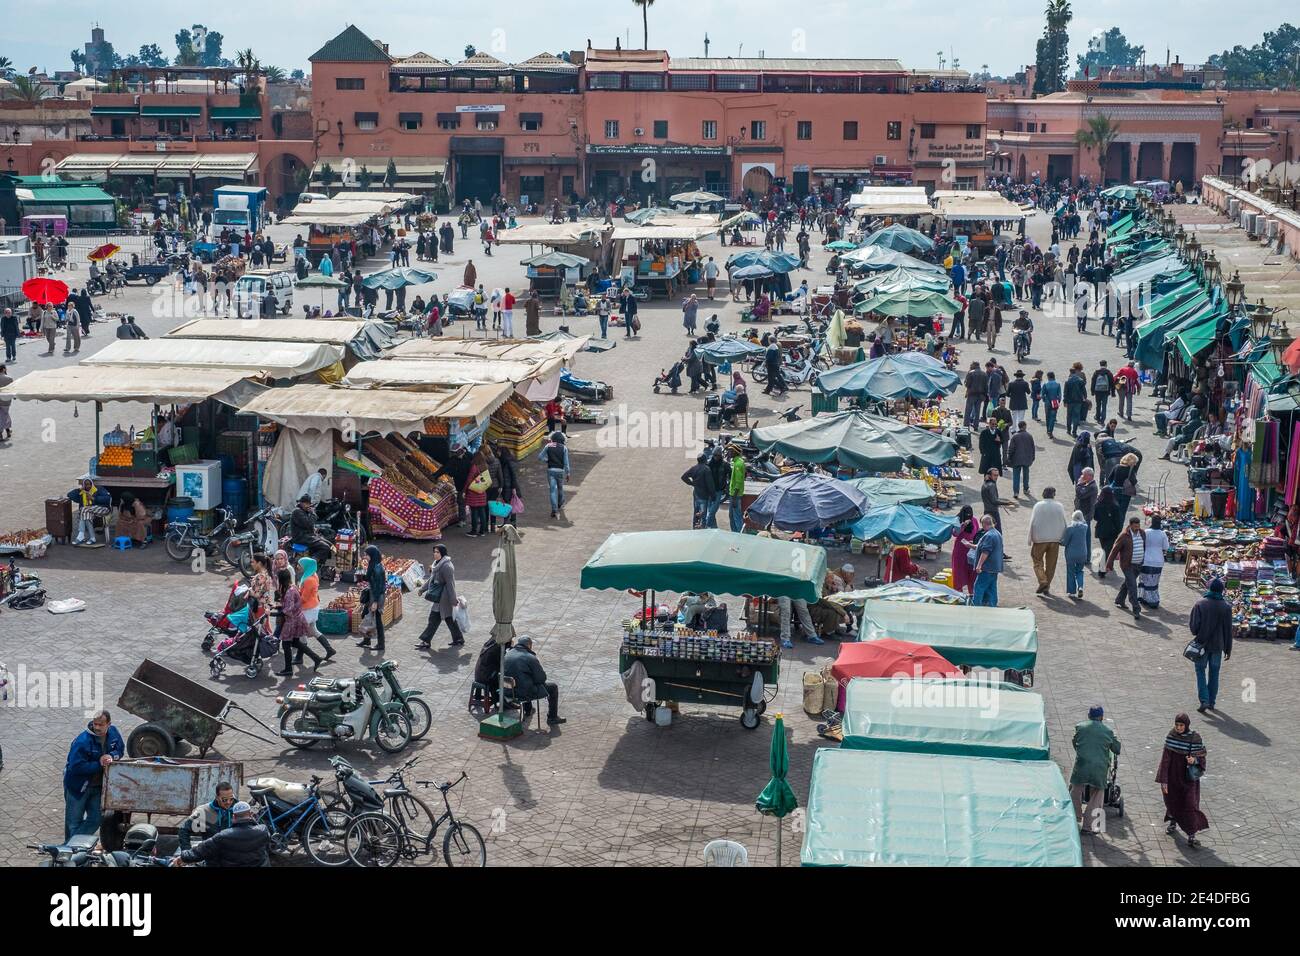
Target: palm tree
{"type": "Point", "coordinates": [1099, 133]}
{"type": "Point", "coordinates": [275, 74]}
{"type": "Point", "coordinates": [645, 6]}
{"type": "Point", "coordinates": [28, 90]}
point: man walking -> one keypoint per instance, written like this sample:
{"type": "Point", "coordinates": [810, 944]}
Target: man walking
{"type": "Point", "coordinates": [83, 776]}
{"type": "Point", "coordinates": [1094, 743]}
{"type": "Point", "coordinates": [1018, 399]}
{"type": "Point", "coordinates": [628, 306]}
{"type": "Point", "coordinates": [1019, 456]}
{"type": "Point", "coordinates": [736, 490]}
{"type": "Point", "coordinates": [700, 478]}
{"type": "Point", "coordinates": [9, 332]}
{"type": "Point", "coordinates": [1211, 625]}
{"type": "Point", "coordinates": [1103, 385]}
{"type": "Point", "coordinates": [988, 564]}
{"type": "Point", "coordinates": [1130, 549]}
{"type": "Point", "coordinates": [1076, 396]}
{"type": "Point", "coordinates": [711, 276]}
{"type": "Point", "coordinates": [977, 391]}
{"type": "Point", "coordinates": [1046, 530]}
{"type": "Point", "coordinates": [533, 314]}
{"type": "Point", "coordinates": [1128, 384]}
{"type": "Point", "coordinates": [508, 314]}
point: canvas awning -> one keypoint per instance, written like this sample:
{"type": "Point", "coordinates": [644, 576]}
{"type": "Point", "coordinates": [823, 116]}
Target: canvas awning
{"type": "Point", "coordinates": [366, 340]}
{"type": "Point", "coordinates": [975, 636]}
{"type": "Point", "coordinates": [446, 346]}
{"type": "Point", "coordinates": [451, 370]}
{"type": "Point", "coordinates": [264, 358]}
{"type": "Point", "coordinates": [546, 234]}
{"type": "Point", "coordinates": [88, 165]}
{"type": "Point", "coordinates": [915, 809]}
{"type": "Point", "coordinates": [156, 385]}
{"type": "Point", "coordinates": [388, 198]}
{"type": "Point", "coordinates": [141, 164]}
{"type": "Point", "coordinates": [225, 165]}
{"type": "Point", "coordinates": [657, 231]}
{"type": "Point", "coordinates": [1198, 337]}
{"type": "Point", "coordinates": [325, 407]}
{"type": "Point", "coordinates": [891, 201]}
{"type": "Point", "coordinates": [959, 207]}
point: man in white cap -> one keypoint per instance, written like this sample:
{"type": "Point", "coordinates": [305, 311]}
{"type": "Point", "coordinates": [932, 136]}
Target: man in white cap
{"type": "Point", "coordinates": [244, 843]}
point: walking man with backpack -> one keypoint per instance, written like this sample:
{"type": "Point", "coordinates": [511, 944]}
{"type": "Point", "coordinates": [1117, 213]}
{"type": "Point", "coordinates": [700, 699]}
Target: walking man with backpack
{"type": "Point", "coordinates": [1103, 386]}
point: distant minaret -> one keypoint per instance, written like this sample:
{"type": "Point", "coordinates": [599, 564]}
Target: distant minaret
{"type": "Point", "coordinates": [706, 44]}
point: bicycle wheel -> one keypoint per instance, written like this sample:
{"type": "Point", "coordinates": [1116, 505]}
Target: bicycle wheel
{"type": "Point", "coordinates": [463, 846]}
{"type": "Point", "coordinates": [415, 817]}
{"type": "Point", "coordinates": [178, 546]}
{"type": "Point", "coordinates": [324, 838]}
{"type": "Point", "coordinates": [373, 839]}
{"type": "Point", "coordinates": [418, 713]}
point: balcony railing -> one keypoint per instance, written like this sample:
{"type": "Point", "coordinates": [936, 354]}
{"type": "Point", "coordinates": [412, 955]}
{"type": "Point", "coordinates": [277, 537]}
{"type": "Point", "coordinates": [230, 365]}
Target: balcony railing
{"type": "Point", "coordinates": [169, 138]}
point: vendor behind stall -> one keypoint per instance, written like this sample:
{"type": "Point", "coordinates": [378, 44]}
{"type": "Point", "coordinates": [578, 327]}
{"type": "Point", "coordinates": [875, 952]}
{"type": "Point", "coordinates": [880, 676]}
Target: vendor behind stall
{"type": "Point", "coordinates": [133, 520]}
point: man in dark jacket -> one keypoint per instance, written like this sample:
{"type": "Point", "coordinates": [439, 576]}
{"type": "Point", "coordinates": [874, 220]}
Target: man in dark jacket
{"type": "Point", "coordinates": [302, 530]}
{"type": "Point", "coordinates": [83, 776]}
{"type": "Point", "coordinates": [1102, 388]}
{"type": "Point", "coordinates": [530, 681]}
{"type": "Point", "coordinates": [772, 363]}
{"type": "Point", "coordinates": [1211, 625]}
{"type": "Point", "coordinates": [1074, 395]}
{"type": "Point", "coordinates": [628, 306]}
{"type": "Point", "coordinates": [243, 843]}
{"type": "Point", "coordinates": [9, 332]}
{"type": "Point", "coordinates": [700, 478]}
{"type": "Point", "coordinates": [977, 390]}
{"type": "Point", "coordinates": [1110, 451]}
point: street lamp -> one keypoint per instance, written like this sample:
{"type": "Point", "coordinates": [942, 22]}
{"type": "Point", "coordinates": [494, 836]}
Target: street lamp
{"type": "Point", "coordinates": [1169, 223]}
{"type": "Point", "coordinates": [1213, 272]}
{"type": "Point", "coordinates": [1235, 290]}
{"type": "Point", "coordinates": [1180, 239]}
{"type": "Point", "coordinates": [1279, 337]}
{"type": "Point", "coordinates": [1192, 252]}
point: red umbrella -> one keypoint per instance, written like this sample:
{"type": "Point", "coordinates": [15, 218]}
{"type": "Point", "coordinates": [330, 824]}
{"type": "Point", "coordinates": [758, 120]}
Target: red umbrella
{"type": "Point", "coordinates": [889, 658]}
{"type": "Point", "coordinates": [46, 291]}
{"type": "Point", "coordinates": [106, 251]}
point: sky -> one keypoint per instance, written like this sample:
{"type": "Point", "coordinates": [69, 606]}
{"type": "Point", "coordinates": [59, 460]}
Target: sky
{"type": "Point", "coordinates": [999, 33]}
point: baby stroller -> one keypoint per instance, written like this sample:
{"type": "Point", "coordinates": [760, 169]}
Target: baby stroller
{"type": "Point", "coordinates": [671, 379]}
{"type": "Point", "coordinates": [247, 645]}
{"type": "Point", "coordinates": [220, 623]}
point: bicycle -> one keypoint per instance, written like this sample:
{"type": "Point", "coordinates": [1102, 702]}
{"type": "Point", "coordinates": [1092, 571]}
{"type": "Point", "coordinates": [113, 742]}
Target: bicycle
{"type": "Point", "coordinates": [370, 842]}
{"type": "Point", "coordinates": [319, 826]}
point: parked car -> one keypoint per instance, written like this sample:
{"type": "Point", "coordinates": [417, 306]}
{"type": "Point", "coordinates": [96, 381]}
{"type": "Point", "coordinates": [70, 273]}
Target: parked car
{"type": "Point", "coordinates": [251, 288]}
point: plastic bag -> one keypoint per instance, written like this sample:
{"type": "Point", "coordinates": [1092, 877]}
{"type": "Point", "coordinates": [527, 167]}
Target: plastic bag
{"type": "Point", "coordinates": [516, 503]}
{"type": "Point", "coordinates": [461, 615]}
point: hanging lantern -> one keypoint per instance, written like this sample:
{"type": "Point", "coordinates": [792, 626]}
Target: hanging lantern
{"type": "Point", "coordinates": [1192, 251]}
{"type": "Point", "coordinates": [1169, 225]}
{"type": "Point", "coordinates": [1213, 272]}
{"type": "Point", "coordinates": [1180, 239]}
{"type": "Point", "coordinates": [1235, 290]}
{"type": "Point", "coordinates": [1279, 336]}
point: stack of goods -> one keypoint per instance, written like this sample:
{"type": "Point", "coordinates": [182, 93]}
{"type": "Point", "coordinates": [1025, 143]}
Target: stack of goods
{"type": "Point", "coordinates": [115, 460]}
{"type": "Point", "coordinates": [350, 601]}
{"type": "Point", "coordinates": [410, 499]}
{"type": "Point", "coordinates": [1224, 541]}
{"type": "Point", "coordinates": [575, 411]}
{"type": "Point", "coordinates": [1267, 608]}
{"type": "Point", "coordinates": [31, 543]}
{"type": "Point", "coordinates": [518, 426]}
{"type": "Point", "coordinates": [266, 436]}
{"type": "Point", "coordinates": [684, 644]}
{"type": "Point", "coordinates": [404, 573]}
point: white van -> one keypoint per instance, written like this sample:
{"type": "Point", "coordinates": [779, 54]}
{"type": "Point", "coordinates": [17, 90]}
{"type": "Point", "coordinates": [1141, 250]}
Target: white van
{"type": "Point", "coordinates": [251, 288]}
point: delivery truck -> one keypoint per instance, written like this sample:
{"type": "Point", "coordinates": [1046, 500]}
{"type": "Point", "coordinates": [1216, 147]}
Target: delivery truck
{"type": "Point", "coordinates": [239, 207]}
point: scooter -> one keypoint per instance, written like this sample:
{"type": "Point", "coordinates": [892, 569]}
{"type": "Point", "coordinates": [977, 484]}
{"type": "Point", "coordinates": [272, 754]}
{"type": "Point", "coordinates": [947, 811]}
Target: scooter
{"type": "Point", "coordinates": [309, 716]}
{"type": "Point", "coordinates": [24, 587]}
{"type": "Point", "coordinates": [1021, 346]}
{"type": "Point", "coordinates": [415, 709]}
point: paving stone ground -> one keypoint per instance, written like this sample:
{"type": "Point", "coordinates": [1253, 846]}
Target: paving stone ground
{"type": "Point", "coordinates": [608, 787]}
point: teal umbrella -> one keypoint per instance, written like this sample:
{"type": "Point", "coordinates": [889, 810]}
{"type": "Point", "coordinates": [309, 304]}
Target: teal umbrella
{"type": "Point", "coordinates": [909, 303]}
{"type": "Point", "coordinates": [774, 261]}
{"type": "Point", "coordinates": [883, 259]}
{"type": "Point", "coordinates": [318, 280]}
{"type": "Point", "coordinates": [777, 799]}
{"type": "Point", "coordinates": [856, 440]}
{"type": "Point", "coordinates": [901, 279]}
{"type": "Point", "coordinates": [901, 239]}
{"type": "Point", "coordinates": [890, 376]}
{"type": "Point", "coordinates": [728, 350]}
{"type": "Point", "coordinates": [904, 524]}
{"type": "Point", "coordinates": [398, 278]}
{"type": "Point", "coordinates": [840, 245]}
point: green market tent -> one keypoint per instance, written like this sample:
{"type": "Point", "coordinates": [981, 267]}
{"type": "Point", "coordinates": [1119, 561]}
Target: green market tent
{"type": "Point", "coordinates": [894, 491]}
{"type": "Point", "coordinates": [716, 561]}
{"type": "Point", "coordinates": [993, 637]}
{"type": "Point", "coordinates": [909, 809]}
{"type": "Point", "coordinates": [945, 716]}
{"type": "Point", "coordinates": [901, 239]}
{"type": "Point", "coordinates": [856, 440]}
{"type": "Point", "coordinates": [883, 259]}
{"type": "Point", "coordinates": [1199, 336]}
{"type": "Point", "coordinates": [908, 303]}
{"type": "Point", "coordinates": [901, 279]}
{"type": "Point", "coordinates": [82, 205]}
{"type": "Point", "coordinates": [891, 376]}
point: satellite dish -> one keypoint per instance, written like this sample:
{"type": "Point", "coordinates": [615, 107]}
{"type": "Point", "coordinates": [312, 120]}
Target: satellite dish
{"type": "Point", "coordinates": [31, 71]}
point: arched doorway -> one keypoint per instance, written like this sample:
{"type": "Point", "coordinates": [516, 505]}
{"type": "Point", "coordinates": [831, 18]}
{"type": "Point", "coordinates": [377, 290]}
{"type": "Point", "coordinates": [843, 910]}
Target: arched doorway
{"type": "Point", "coordinates": [757, 180]}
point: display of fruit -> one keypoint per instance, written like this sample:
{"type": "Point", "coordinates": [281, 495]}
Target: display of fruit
{"type": "Point", "coordinates": [117, 456]}
{"type": "Point", "coordinates": [22, 537]}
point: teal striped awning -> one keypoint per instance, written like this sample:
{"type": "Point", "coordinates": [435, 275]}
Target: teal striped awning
{"type": "Point", "coordinates": [1196, 339]}
{"type": "Point", "coordinates": [234, 113]}
{"type": "Point", "coordinates": [114, 111]}
{"type": "Point", "coordinates": [187, 112]}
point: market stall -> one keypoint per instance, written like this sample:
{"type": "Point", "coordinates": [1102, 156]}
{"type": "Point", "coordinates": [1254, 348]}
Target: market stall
{"type": "Point", "coordinates": [666, 255]}
{"type": "Point", "coordinates": [363, 340]}
{"type": "Point", "coordinates": [945, 716]}
{"type": "Point", "coordinates": [923, 809]}
{"type": "Point", "coordinates": [548, 272]}
{"type": "Point", "coordinates": [278, 360]}
{"type": "Point", "coordinates": [715, 664]}
{"type": "Point", "coordinates": [1003, 639]}
{"type": "Point", "coordinates": [977, 214]}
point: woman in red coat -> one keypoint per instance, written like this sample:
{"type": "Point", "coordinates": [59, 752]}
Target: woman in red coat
{"type": "Point", "coordinates": [963, 576]}
{"type": "Point", "coordinates": [900, 565]}
{"type": "Point", "coordinates": [1181, 765]}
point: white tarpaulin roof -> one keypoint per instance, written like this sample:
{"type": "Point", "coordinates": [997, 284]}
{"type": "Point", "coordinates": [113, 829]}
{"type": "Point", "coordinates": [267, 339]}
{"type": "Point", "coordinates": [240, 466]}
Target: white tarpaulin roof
{"type": "Point", "coordinates": [276, 359]}
{"type": "Point", "coordinates": [337, 212]}
{"type": "Point", "coordinates": [535, 379]}
{"type": "Point", "coordinates": [891, 201]}
{"type": "Point", "coordinates": [154, 385]}
{"type": "Point", "coordinates": [325, 331]}
{"type": "Point", "coordinates": [566, 233]}
{"type": "Point", "coordinates": [391, 199]}
{"type": "Point", "coordinates": [447, 346]}
{"type": "Point", "coordinates": [960, 205]}
{"type": "Point", "coordinates": [324, 407]}
{"type": "Point", "coordinates": [328, 219]}
{"type": "Point", "coordinates": [656, 230]}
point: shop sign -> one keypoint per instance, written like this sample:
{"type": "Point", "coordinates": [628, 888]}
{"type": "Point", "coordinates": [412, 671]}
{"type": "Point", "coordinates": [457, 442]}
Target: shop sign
{"type": "Point", "coordinates": [649, 149]}
{"type": "Point", "coordinates": [961, 151]}
{"type": "Point", "coordinates": [480, 108]}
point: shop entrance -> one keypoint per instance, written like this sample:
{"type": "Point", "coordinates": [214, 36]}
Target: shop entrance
{"type": "Point", "coordinates": [534, 187]}
{"type": "Point", "coordinates": [1060, 166]}
{"type": "Point", "coordinates": [477, 177]}
{"type": "Point", "coordinates": [800, 184]}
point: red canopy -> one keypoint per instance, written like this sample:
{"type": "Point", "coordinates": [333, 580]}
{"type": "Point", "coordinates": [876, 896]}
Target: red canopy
{"type": "Point", "coordinates": [1291, 357]}
{"type": "Point", "coordinates": [890, 658]}
{"type": "Point", "coordinates": [46, 291]}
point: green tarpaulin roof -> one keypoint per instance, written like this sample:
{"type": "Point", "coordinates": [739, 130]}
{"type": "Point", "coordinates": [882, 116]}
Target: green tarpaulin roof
{"type": "Point", "coordinates": [908, 809]}
{"type": "Point", "coordinates": [975, 636]}
{"type": "Point", "coordinates": [62, 195]}
{"type": "Point", "coordinates": [1266, 371]}
{"type": "Point", "coordinates": [894, 491]}
{"type": "Point", "coordinates": [1200, 336]}
{"type": "Point", "coordinates": [114, 111]}
{"type": "Point", "coordinates": [944, 716]}
{"type": "Point", "coordinates": [720, 562]}
{"type": "Point", "coordinates": [187, 111]}
{"type": "Point", "coordinates": [234, 112]}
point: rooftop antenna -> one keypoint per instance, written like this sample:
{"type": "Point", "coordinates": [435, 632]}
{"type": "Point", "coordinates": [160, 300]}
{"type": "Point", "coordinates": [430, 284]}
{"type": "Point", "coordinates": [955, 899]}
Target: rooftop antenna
{"type": "Point", "coordinates": [706, 44]}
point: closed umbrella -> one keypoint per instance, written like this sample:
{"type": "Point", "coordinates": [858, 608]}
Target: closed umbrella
{"type": "Point", "coordinates": [505, 587]}
{"type": "Point", "coordinates": [890, 376]}
{"type": "Point", "coordinates": [777, 799]}
{"type": "Point", "coordinates": [44, 291]}
{"type": "Point", "coordinates": [802, 501]}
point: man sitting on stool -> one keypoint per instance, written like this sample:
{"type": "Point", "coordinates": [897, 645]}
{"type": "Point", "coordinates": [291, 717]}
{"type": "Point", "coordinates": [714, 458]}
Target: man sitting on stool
{"type": "Point", "coordinates": [302, 530]}
{"type": "Point", "coordinates": [530, 680]}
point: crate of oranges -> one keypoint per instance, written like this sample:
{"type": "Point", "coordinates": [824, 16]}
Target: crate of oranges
{"type": "Point", "coordinates": [116, 460]}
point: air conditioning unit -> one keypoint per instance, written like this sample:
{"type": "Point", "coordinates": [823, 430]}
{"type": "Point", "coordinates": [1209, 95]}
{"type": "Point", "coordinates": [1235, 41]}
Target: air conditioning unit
{"type": "Point", "coordinates": [882, 160]}
{"type": "Point", "coordinates": [638, 131]}
{"type": "Point", "coordinates": [1234, 208]}
{"type": "Point", "coordinates": [1251, 224]}
{"type": "Point", "coordinates": [1270, 229]}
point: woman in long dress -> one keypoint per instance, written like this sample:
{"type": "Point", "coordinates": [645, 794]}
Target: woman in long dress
{"type": "Point", "coordinates": [963, 578]}
{"type": "Point", "coordinates": [1153, 564]}
{"type": "Point", "coordinates": [1181, 765]}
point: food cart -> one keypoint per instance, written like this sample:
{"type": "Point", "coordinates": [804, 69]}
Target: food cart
{"type": "Point", "coordinates": [704, 666]}
{"type": "Point", "coordinates": [550, 271]}
{"type": "Point", "coordinates": [993, 638]}
{"type": "Point", "coordinates": [164, 786]}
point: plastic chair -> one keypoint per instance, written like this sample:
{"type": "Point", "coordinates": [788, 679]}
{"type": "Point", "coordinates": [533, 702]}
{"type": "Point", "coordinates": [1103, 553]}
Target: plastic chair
{"type": "Point", "coordinates": [725, 853]}
{"type": "Point", "coordinates": [122, 544]}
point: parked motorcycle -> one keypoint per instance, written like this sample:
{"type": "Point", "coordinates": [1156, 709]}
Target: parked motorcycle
{"type": "Point", "coordinates": [416, 710]}
{"type": "Point", "coordinates": [25, 591]}
{"type": "Point", "coordinates": [308, 716]}
{"type": "Point", "coordinates": [85, 850]}
{"type": "Point", "coordinates": [184, 537]}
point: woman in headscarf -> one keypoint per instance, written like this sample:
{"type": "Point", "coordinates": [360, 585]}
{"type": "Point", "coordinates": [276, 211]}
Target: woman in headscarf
{"type": "Point", "coordinates": [901, 566]}
{"type": "Point", "coordinates": [1181, 765]}
{"type": "Point", "coordinates": [293, 626]}
{"type": "Point", "coordinates": [1153, 564]}
{"type": "Point", "coordinates": [373, 598]}
{"type": "Point", "coordinates": [963, 577]}
{"type": "Point", "coordinates": [281, 563]}
{"type": "Point", "coordinates": [309, 588]}
{"type": "Point", "coordinates": [1081, 456]}
{"type": "Point", "coordinates": [440, 592]}
{"type": "Point", "coordinates": [262, 590]}
{"type": "Point", "coordinates": [476, 498]}
{"type": "Point", "coordinates": [1109, 522]}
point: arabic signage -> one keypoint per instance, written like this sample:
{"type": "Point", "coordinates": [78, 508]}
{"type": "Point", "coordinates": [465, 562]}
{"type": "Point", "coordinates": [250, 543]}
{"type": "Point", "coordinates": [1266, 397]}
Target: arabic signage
{"type": "Point", "coordinates": [480, 108]}
{"type": "Point", "coordinates": [973, 152]}
{"type": "Point", "coordinates": [650, 149]}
